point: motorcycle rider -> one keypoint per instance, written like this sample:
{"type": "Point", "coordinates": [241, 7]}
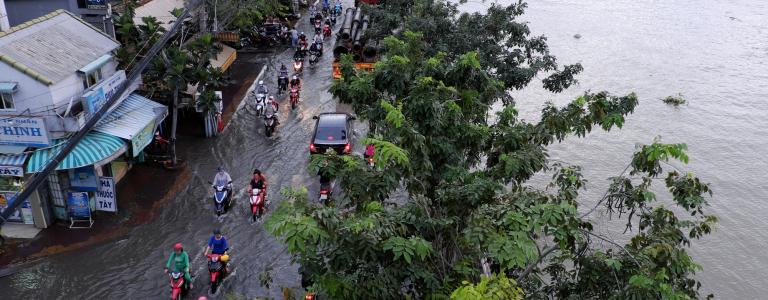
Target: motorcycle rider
{"type": "Point", "coordinates": [312, 12]}
{"type": "Point", "coordinates": [295, 82]}
{"type": "Point", "coordinates": [282, 78]}
{"type": "Point", "coordinates": [222, 178]}
{"type": "Point", "coordinates": [337, 7]}
{"type": "Point", "coordinates": [259, 182]}
{"type": "Point", "coordinates": [217, 244]}
{"type": "Point", "coordinates": [180, 261]}
{"type": "Point", "coordinates": [262, 88]}
{"type": "Point", "coordinates": [326, 6]}
{"type": "Point", "coordinates": [271, 109]}
{"type": "Point", "coordinates": [370, 150]}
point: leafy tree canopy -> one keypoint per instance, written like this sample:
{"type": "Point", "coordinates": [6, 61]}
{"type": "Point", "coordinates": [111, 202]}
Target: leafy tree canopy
{"type": "Point", "coordinates": [448, 211]}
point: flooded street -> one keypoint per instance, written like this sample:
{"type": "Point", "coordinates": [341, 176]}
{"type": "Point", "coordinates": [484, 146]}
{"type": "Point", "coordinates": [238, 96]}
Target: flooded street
{"type": "Point", "coordinates": [713, 52]}
{"type": "Point", "coordinates": [132, 268]}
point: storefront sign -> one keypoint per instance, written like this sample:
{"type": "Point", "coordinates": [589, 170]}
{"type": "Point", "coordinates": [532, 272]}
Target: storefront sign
{"type": "Point", "coordinates": [106, 199]}
{"type": "Point", "coordinates": [97, 96]}
{"type": "Point", "coordinates": [11, 171]}
{"type": "Point", "coordinates": [142, 139]}
{"type": "Point", "coordinates": [96, 4]}
{"type": "Point", "coordinates": [77, 204]}
{"type": "Point", "coordinates": [83, 179]}
{"type": "Point", "coordinates": [23, 131]}
{"type": "Point", "coordinates": [6, 199]}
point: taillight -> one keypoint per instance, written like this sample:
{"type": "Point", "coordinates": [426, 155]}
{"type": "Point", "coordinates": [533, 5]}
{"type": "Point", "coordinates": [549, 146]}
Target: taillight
{"type": "Point", "coordinates": [323, 191]}
{"type": "Point", "coordinates": [347, 148]}
{"type": "Point", "coordinates": [312, 147]}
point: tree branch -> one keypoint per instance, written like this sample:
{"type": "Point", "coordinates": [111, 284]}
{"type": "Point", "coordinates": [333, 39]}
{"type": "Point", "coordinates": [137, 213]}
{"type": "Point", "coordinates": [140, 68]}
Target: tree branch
{"type": "Point", "coordinates": [530, 267]}
{"type": "Point", "coordinates": [605, 194]}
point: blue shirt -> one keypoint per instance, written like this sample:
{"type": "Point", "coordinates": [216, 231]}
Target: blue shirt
{"type": "Point", "coordinates": [218, 246]}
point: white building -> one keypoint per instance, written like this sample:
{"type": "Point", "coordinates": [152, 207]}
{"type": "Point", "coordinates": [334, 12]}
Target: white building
{"type": "Point", "coordinates": [55, 71]}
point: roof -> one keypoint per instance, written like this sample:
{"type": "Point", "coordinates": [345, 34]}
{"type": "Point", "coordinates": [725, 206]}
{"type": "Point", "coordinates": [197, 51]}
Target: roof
{"type": "Point", "coordinates": [332, 120]}
{"type": "Point", "coordinates": [160, 9]}
{"type": "Point", "coordinates": [16, 160]}
{"type": "Point", "coordinates": [53, 47]}
{"type": "Point", "coordinates": [131, 116]}
{"type": "Point", "coordinates": [95, 147]}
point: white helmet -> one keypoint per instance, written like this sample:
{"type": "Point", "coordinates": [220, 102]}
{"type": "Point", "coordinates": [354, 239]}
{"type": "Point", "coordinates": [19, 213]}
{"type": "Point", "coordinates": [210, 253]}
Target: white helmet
{"type": "Point", "coordinates": [261, 82]}
{"type": "Point", "coordinates": [271, 98]}
{"type": "Point", "coordinates": [295, 76]}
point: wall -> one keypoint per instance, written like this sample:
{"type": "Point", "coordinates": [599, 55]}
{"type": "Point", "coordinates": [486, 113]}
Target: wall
{"type": "Point", "coordinates": [31, 94]}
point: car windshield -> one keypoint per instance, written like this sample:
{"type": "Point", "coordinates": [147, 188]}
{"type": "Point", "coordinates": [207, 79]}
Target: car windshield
{"type": "Point", "coordinates": [331, 134]}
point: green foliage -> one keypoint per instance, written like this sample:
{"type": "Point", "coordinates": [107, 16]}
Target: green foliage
{"type": "Point", "coordinates": [451, 193]}
{"type": "Point", "coordinates": [497, 287]}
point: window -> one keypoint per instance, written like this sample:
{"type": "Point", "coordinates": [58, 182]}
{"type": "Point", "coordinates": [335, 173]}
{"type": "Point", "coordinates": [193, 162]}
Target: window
{"type": "Point", "coordinates": [89, 79]}
{"type": "Point", "coordinates": [6, 101]}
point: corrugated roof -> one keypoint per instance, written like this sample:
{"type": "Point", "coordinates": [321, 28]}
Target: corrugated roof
{"type": "Point", "coordinates": [160, 9]}
{"type": "Point", "coordinates": [131, 116]}
{"type": "Point", "coordinates": [54, 46]}
{"type": "Point", "coordinates": [16, 160]}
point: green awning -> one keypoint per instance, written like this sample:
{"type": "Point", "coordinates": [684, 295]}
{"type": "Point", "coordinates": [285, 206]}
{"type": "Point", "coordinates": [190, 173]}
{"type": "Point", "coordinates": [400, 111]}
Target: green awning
{"type": "Point", "coordinates": [95, 148]}
{"type": "Point", "coordinates": [7, 87]}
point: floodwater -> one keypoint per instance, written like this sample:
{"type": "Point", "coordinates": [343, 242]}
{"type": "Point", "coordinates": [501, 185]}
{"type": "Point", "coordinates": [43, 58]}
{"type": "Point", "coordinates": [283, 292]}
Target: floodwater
{"type": "Point", "coordinates": [713, 52]}
{"type": "Point", "coordinates": [132, 268]}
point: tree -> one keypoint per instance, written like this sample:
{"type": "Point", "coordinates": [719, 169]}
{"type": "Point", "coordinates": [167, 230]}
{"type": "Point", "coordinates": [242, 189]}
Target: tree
{"type": "Point", "coordinates": [467, 212]}
{"type": "Point", "coordinates": [177, 74]}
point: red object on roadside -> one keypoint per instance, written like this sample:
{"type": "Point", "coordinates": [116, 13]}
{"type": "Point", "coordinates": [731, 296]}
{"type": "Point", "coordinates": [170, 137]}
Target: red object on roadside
{"type": "Point", "coordinates": [220, 123]}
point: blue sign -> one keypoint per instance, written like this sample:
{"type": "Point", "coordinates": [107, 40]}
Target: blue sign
{"type": "Point", "coordinates": [97, 96]}
{"type": "Point", "coordinates": [23, 131]}
{"type": "Point", "coordinates": [83, 179]}
{"type": "Point", "coordinates": [78, 205]}
{"type": "Point", "coordinates": [95, 4]}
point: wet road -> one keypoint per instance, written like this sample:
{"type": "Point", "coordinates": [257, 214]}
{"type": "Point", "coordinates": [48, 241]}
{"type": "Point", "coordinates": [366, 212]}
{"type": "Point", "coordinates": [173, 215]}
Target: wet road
{"type": "Point", "coordinates": [713, 52]}
{"type": "Point", "coordinates": [132, 268]}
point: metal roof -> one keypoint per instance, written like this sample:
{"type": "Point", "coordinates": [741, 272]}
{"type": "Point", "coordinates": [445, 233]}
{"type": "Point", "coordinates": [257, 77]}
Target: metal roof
{"type": "Point", "coordinates": [53, 47]}
{"type": "Point", "coordinates": [160, 9]}
{"type": "Point", "coordinates": [131, 116]}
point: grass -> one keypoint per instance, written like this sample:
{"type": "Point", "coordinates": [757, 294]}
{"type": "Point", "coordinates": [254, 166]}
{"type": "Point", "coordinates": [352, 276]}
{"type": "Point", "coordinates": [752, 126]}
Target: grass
{"type": "Point", "coordinates": [674, 100]}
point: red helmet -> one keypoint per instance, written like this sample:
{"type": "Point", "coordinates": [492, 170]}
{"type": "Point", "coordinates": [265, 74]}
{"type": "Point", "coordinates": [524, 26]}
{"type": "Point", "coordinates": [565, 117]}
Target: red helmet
{"type": "Point", "coordinates": [177, 246]}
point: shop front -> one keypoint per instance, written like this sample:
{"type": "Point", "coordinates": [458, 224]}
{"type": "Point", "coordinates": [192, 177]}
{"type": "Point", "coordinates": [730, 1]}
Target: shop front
{"type": "Point", "coordinates": [11, 182]}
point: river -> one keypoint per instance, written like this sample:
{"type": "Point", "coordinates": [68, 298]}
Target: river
{"type": "Point", "coordinates": [713, 52]}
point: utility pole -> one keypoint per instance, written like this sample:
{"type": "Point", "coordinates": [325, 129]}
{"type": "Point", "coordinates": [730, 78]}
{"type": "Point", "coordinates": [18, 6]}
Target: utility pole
{"type": "Point", "coordinates": [40, 177]}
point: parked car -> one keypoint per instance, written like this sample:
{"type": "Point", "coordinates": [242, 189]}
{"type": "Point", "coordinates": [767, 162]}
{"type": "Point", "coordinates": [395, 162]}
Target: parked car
{"type": "Point", "coordinates": [332, 131]}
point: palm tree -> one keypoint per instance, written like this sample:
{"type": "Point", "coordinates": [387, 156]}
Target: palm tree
{"type": "Point", "coordinates": [177, 75]}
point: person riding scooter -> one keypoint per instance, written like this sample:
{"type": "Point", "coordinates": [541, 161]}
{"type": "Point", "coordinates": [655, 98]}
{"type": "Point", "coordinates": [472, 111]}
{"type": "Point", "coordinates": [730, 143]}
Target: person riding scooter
{"type": "Point", "coordinates": [295, 82]}
{"type": "Point", "coordinates": [282, 79]}
{"type": "Point", "coordinates": [217, 244]}
{"type": "Point", "coordinates": [222, 178]}
{"type": "Point", "coordinates": [259, 182]}
{"type": "Point", "coordinates": [262, 88]}
{"type": "Point", "coordinates": [180, 262]}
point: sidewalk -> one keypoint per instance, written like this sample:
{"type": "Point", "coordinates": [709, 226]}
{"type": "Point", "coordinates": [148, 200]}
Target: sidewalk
{"type": "Point", "coordinates": [138, 202]}
{"type": "Point", "coordinates": [242, 74]}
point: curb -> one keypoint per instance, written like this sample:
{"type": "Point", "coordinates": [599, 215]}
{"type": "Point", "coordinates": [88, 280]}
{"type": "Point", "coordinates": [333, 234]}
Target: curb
{"type": "Point", "coordinates": [245, 97]}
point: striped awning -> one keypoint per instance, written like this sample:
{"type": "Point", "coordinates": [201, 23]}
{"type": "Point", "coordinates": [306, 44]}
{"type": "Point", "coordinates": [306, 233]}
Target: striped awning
{"type": "Point", "coordinates": [13, 160]}
{"type": "Point", "coordinates": [94, 149]}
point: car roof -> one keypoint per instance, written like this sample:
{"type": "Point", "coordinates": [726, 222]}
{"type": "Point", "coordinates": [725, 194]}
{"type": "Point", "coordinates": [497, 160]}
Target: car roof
{"type": "Point", "coordinates": [332, 120]}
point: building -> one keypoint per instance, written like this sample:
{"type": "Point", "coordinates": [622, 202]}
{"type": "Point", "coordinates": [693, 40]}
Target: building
{"type": "Point", "coordinates": [55, 72]}
{"type": "Point", "coordinates": [96, 12]}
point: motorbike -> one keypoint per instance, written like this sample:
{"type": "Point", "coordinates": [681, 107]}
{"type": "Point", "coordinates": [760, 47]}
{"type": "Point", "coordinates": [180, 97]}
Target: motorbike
{"type": "Point", "coordinates": [179, 286]}
{"type": "Point", "coordinates": [326, 190]}
{"type": "Point", "coordinates": [221, 198]}
{"type": "Point", "coordinates": [294, 97]}
{"type": "Point", "coordinates": [217, 269]}
{"type": "Point", "coordinates": [298, 65]}
{"type": "Point", "coordinates": [269, 124]}
{"type": "Point", "coordinates": [257, 204]}
{"type": "Point", "coordinates": [318, 26]}
{"type": "Point", "coordinates": [370, 162]}
{"type": "Point", "coordinates": [260, 102]}
{"type": "Point", "coordinates": [337, 9]}
{"type": "Point", "coordinates": [326, 31]}
{"type": "Point", "coordinates": [333, 19]}
{"type": "Point", "coordinates": [282, 84]}
{"type": "Point", "coordinates": [313, 58]}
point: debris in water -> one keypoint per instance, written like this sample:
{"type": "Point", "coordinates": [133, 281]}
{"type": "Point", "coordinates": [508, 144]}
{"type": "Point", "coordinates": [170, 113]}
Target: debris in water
{"type": "Point", "coordinates": [674, 100]}
{"type": "Point", "coordinates": [577, 36]}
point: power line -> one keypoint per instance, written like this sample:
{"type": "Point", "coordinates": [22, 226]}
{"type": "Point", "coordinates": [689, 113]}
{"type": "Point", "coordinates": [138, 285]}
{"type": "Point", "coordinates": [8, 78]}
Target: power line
{"type": "Point", "coordinates": [40, 177]}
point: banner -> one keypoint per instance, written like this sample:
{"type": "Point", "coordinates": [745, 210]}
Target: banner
{"type": "Point", "coordinates": [142, 139]}
{"type": "Point", "coordinates": [106, 198]}
{"type": "Point", "coordinates": [83, 179]}
{"type": "Point", "coordinates": [77, 204]}
{"type": "Point", "coordinates": [21, 131]}
{"type": "Point", "coordinates": [97, 96]}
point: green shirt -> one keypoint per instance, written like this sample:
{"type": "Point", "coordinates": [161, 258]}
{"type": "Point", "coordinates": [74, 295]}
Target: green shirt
{"type": "Point", "coordinates": [181, 261]}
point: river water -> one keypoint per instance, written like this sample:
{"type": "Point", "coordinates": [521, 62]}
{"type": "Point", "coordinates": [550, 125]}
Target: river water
{"type": "Point", "coordinates": [713, 52]}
